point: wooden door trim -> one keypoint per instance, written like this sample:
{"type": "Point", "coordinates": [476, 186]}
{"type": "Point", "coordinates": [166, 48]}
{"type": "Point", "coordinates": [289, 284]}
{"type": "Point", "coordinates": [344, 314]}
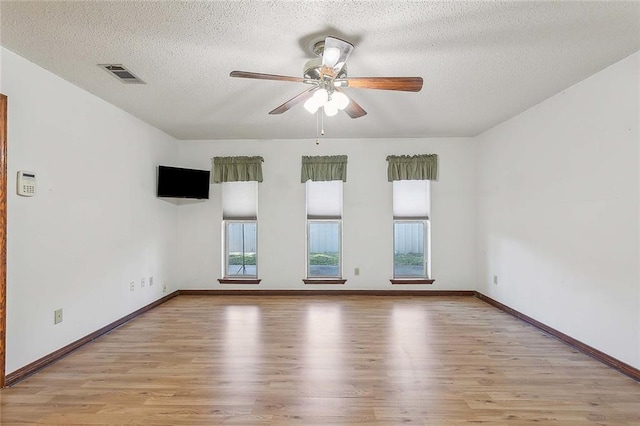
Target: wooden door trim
{"type": "Point", "coordinates": [3, 236]}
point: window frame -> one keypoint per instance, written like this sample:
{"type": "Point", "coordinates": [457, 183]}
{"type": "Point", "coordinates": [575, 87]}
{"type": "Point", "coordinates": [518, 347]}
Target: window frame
{"type": "Point", "coordinates": [426, 244]}
{"type": "Point", "coordinates": [308, 251]}
{"type": "Point", "coordinates": [233, 215]}
{"type": "Point", "coordinates": [235, 277]}
{"type": "Point", "coordinates": [329, 215]}
{"type": "Point", "coordinates": [412, 215]}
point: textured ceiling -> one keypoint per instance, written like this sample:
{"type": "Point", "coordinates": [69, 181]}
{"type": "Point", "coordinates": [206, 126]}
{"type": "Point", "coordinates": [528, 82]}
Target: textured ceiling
{"type": "Point", "coordinates": [482, 62]}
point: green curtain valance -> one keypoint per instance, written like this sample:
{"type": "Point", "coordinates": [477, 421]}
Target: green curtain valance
{"type": "Point", "coordinates": [236, 169]}
{"type": "Point", "coordinates": [412, 167]}
{"type": "Point", "coordinates": [323, 168]}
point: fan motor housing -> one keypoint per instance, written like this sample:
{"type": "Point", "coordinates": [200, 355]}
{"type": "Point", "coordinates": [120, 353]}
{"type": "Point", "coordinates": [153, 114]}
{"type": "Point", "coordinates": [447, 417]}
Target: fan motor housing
{"type": "Point", "coordinates": [312, 69]}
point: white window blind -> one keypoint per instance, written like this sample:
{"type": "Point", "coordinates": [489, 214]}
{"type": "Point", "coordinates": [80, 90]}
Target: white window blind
{"type": "Point", "coordinates": [411, 199]}
{"type": "Point", "coordinates": [240, 200]}
{"type": "Point", "coordinates": [324, 199]}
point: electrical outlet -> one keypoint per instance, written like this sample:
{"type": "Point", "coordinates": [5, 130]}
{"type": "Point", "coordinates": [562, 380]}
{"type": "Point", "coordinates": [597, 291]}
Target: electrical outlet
{"type": "Point", "coordinates": [356, 271]}
{"type": "Point", "coordinates": [495, 279]}
{"type": "Point", "coordinates": [132, 285]}
{"type": "Point", "coordinates": [164, 288]}
{"type": "Point", "coordinates": [142, 282]}
{"type": "Point", "coordinates": [150, 281]}
{"type": "Point", "coordinates": [57, 316]}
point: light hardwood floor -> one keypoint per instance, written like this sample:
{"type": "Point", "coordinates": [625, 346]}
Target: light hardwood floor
{"type": "Point", "coordinates": [210, 360]}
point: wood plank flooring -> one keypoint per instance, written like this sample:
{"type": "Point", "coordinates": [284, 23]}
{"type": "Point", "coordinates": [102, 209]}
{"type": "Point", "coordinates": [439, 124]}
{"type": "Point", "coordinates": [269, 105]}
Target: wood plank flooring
{"type": "Point", "coordinates": [212, 360]}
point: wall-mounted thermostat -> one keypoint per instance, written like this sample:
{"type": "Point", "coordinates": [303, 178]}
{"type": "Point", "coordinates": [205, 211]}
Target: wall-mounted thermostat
{"type": "Point", "coordinates": [26, 183]}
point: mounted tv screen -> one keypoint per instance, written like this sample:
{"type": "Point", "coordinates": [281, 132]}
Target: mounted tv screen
{"type": "Point", "coordinates": [176, 182]}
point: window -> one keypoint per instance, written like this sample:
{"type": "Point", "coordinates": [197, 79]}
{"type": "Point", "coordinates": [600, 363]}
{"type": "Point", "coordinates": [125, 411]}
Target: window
{"type": "Point", "coordinates": [324, 249]}
{"type": "Point", "coordinates": [324, 233]}
{"type": "Point", "coordinates": [411, 229]}
{"type": "Point", "coordinates": [409, 238]}
{"type": "Point", "coordinates": [240, 213]}
{"type": "Point", "coordinates": [241, 249]}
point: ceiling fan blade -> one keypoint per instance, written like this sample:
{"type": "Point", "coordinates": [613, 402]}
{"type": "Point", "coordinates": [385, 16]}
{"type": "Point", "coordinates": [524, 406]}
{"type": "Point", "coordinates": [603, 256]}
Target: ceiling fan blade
{"type": "Point", "coordinates": [405, 84]}
{"type": "Point", "coordinates": [353, 109]}
{"type": "Point", "coordinates": [300, 97]}
{"type": "Point", "coordinates": [335, 55]}
{"type": "Point", "coordinates": [260, 76]}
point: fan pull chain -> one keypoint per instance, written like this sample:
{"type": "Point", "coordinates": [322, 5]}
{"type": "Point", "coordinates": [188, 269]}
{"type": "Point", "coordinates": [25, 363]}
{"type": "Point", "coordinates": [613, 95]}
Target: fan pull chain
{"type": "Point", "coordinates": [317, 126]}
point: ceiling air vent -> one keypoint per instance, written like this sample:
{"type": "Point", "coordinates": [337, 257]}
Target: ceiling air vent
{"type": "Point", "coordinates": [121, 73]}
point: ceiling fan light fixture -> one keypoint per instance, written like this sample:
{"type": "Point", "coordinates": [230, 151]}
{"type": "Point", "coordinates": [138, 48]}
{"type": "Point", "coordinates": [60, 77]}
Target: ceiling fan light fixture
{"type": "Point", "coordinates": [340, 99]}
{"type": "Point", "coordinates": [327, 76]}
{"type": "Point", "coordinates": [321, 96]}
{"type": "Point", "coordinates": [311, 105]}
{"type": "Point", "coordinates": [332, 104]}
{"type": "Point", "coordinates": [331, 56]}
{"type": "Point", "coordinates": [330, 109]}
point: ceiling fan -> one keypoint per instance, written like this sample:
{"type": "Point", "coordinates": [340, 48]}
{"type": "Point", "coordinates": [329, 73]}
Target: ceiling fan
{"type": "Point", "coordinates": [327, 76]}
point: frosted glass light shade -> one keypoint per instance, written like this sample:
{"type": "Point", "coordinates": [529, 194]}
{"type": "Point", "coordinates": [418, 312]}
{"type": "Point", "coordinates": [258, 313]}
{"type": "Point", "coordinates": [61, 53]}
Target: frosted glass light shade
{"type": "Point", "coordinates": [331, 56]}
{"type": "Point", "coordinates": [311, 105]}
{"type": "Point", "coordinates": [340, 99]}
{"type": "Point", "coordinates": [321, 96]}
{"type": "Point", "coordinates": [330, 109]}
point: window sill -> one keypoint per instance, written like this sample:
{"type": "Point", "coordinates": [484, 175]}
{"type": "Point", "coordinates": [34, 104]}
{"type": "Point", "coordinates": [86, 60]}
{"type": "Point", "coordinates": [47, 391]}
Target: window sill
{"type": "Point", "coordinates": [324, 280]}
{"type": "Point", "coordinates": [411, 281]}
{"type": "Point", "coordinates": [239, 281]}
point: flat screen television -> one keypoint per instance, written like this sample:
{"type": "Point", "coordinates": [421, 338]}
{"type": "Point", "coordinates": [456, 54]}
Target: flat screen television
{"type": "Point", "coordinates": [177, 182]}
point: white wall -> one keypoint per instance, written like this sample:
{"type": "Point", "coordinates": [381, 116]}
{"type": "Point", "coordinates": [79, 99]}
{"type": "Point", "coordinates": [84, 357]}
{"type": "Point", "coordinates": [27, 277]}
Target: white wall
{"type": "Point", "coordinates": [547, 201]}
{"type": "Point", "coordinates": [94, 224]}
{"type": "Point", "coordinates": [367, 221]}
{"type": "Point", "coordinates": [558, 219]}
